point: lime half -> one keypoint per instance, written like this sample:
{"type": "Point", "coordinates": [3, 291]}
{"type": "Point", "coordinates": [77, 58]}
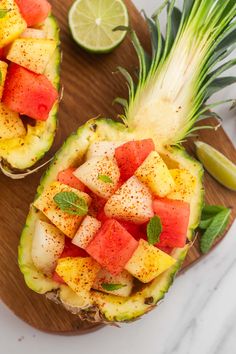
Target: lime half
{"type": "Point", "coordinates": [219, 166]}
{"type": "Point", "coordinates": [92, 23]}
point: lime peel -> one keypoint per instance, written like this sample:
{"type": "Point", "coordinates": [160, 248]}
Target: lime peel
{"type": "Point", "coordinates": [218, 165]}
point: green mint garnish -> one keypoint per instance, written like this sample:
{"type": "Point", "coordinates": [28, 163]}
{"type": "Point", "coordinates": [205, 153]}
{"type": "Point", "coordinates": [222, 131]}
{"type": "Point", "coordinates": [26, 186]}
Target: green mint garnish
{"type": "Point", "coordinates": [105, 178]}
{"type": "Point", "coordinates": [3, 13]}
{"type": "Point", "coordinates": [214, 226]}
{"type": "Point", "coordinates": [0, 77]}
{"type": "Point", "coordinates": [70, 203]}
{"type": "Point", "coordinates": [112, 287]}
{"type": "Point", "coordinates": [154, 229]}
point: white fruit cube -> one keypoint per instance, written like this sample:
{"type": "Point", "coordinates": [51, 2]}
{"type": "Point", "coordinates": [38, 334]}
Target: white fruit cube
{"type": "Point", "coordinates": [100, 174]}
{"type": "Point", "coordinates": [32, 53]}
{"type": "Point", "coordinates": [148, 262]}
{"type": "Point", "coordinates": [185, 184]}
{"type": "Point", "coordinates": [11, 125]}
{"type": "Point", "coordinates": [65, 222]}
{"type": "Point", "coordinates": [131, 202]}
{"type": "Point", "coordinates": [78, 273]}
{"type": "Point", "coordinates": [155, 175]}
{"type": "Point", "coordinates": [47, 246]}
{"type": "Point", "coordinates": [102, 148]}
{"type": "Point", "coordinates": [124, 282]}
{"type": "Point", "coordinates": [86, 232]}
{"type": "Point", "coordinates": [3, 74]}
{"type": "Point", "coordinates": [33, 33]}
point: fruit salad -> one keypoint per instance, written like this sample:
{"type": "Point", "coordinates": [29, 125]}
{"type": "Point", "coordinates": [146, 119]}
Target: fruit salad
{"type": "Point", "coordinates": [28, 80]}
{"type": "Point", "coordinates": [112, 223]}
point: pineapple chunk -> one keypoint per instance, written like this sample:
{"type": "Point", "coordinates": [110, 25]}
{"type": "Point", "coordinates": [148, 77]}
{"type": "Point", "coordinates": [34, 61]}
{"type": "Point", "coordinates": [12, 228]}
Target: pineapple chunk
{"type": "Point", "coordinates": [185, 184]}
{"type": "Point", "coordinates": [131, 202]}
{"type": "Point", "coordinates": [91, 174]}
{"type": "Point", "coordinates": [33, 33]}
{"type": "Point", "coordinates": [86, 232]}
{"type": "Point", "coordinates": [102, 148]}
{"type": "Point", "coordinates": [3, 74]}
{"type": "Point", "coordinates": [148, 262]}
{"type": "Point", "coordinates": [78, 273]}
{"type": "Point", "coordinates": [11, 125]}
{"type": "Point", "coordinates": [47, 246]}
{"type": "Point", "coordinates": [104, 277]}
{"type": "Point", "coordinates": [155, 174]}
{"type": "Point", "coordinates": [12, 24]}
{"type": "Point", "coordinates": [65, 222]}
{"type": "Point", "coordinates": [32, 53]}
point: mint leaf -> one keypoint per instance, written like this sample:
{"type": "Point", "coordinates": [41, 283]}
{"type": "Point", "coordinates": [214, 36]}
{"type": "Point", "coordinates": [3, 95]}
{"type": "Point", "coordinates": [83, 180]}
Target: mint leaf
{"type": "Point", "coordinates": [215, 229]}
{"type": "Point", "coordinates": [154, 229]}
{"type": "Point", "coordinates": [0, 77]}
{"type": "Point", "coordinates": [112, 287]}
{"type": "Point", "coordinates": [105, 178]}
{"type": "Point", "coordinates": [3, 13]}
{"type": "Point", "coordinates": [210, 211]}
{"type": "Point", "coordinates": [70, 203]}
{"type": "Point", "coordinates": [205, 223]}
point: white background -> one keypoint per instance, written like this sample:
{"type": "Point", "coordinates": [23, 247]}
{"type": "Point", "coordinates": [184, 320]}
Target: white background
{"type": "Point", "coordinates": [198, 315]}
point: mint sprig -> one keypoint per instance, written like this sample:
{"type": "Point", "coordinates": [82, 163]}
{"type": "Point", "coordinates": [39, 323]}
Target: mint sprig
{"type": "Point", "coordinates": [112, 287]}
{"type": "Point", "coordinates": [3, 13]}
{"type": "Point", "coordinates": [71, 203]}
{"type": "Point", "coordinates": [214, 221]}
{"type": "Point", "coordinates": [105, 178]}
{"type": "Point", "coordinates": [0, 77]}
{"type": "Point", "coordinates": [154, 229]}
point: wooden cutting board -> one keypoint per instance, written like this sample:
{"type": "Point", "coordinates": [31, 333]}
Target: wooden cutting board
{"type": "Point", "coordinates": [91, 83]}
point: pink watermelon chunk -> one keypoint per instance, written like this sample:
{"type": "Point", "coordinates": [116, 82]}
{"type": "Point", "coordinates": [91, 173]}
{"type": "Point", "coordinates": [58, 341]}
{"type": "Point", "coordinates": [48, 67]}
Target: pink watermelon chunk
{"type": "Point", "coordinates": [112, 246]}
{"type": "Point", "coordinates": [131, 155]}
{"type": "Point", "coordinates": [174, 215]}
{"type": "Point", "coordinates": [67, 177]}
{"type": "Point", "coordinates": [28, 93]}
{"type": "Point", "coordinates": [34, 11]}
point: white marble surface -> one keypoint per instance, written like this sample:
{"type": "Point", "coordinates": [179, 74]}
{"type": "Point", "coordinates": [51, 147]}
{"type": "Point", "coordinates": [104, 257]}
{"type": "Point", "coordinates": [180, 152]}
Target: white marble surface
{"type": "Point", "coordinates": [198, 315]}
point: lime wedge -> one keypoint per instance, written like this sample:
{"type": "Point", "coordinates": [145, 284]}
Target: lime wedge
{"type": "Point", "coordinates": [219, 166]}
{"type": "Point", "coordinates": [92, 23]}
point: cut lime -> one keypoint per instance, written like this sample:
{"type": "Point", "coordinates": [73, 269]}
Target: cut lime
{"type": "Point", "coordinates": [92, 24]}
{"type": "Point", "coordinates": [219, 166]}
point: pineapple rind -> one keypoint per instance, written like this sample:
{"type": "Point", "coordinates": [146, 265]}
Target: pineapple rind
{"type": "Point", "coordinates": [112, 308]}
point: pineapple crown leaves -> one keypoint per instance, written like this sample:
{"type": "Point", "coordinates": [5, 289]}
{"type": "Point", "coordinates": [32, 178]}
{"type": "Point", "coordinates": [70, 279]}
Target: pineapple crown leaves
{"type": "Point", "coordinates": [205, 30]}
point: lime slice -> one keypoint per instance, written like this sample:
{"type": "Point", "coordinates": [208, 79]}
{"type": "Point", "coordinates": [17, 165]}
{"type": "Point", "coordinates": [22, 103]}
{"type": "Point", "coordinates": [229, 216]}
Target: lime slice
{"type": "Point", "coordinates": [219, 166]}
{"type": "Point", "coordinates": [92, 22]}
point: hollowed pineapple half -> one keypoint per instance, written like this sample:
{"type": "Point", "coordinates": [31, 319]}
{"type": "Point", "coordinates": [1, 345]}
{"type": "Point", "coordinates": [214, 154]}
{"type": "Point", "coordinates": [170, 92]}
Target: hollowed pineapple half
{"type": "Point", "coordinates": [21, 148]}
{"type": "Point", "coordinates": [164, 104]}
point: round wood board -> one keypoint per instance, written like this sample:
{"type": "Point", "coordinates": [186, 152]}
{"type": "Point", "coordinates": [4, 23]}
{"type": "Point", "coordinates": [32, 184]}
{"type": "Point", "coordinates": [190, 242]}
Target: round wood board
{"type": "Point", "coordinates": [91, 82]}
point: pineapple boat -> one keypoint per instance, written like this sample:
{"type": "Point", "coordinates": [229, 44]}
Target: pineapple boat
{"type": "Point", "coordinates": [115, 213]}
{"type": "Point", "coordinates": [29, 82]}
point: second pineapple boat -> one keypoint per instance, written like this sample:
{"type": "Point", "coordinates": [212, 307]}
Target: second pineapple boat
{"type": "Point", "coordinates": [109, 180]}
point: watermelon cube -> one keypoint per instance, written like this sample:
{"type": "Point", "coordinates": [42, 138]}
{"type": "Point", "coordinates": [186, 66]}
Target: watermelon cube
{"type": "Point", "coordinates": [34, 11]}
{"type": "Point", "coordinates": [71, 250]}
{"type": "Point", "coordinates": [112, 246]}
{"type": "Point", "coordinates": [67, 177]}
{"type": "Point", "coordinates": [174, 215]}
{"type": "Point", "coordinates": [131, 155]}
{"type": "Point", "coordinates": [28, 93]}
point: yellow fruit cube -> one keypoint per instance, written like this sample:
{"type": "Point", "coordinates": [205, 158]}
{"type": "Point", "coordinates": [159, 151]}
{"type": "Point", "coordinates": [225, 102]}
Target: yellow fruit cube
{"type": "Point", "coordinates": [3, 74]}
{"type": "Point", "coordinates": [32, 53]}
{"type": "Point", "coordinates": [148, 262]}
{"type": "Point", "coordinates": [155, 174]}
{"type": "Point", "coordinates": [78, 273]}
{"type": "Point", "coordinates": [11, 125]}
{"type": "Point", "coordinates": [65, 222]}
{"type": "Point", "coordinates": [106, 282]}
{"type": "Point", "coordinates": [185, 184]}
{"type": "Point", "coordinates": [12, 23]}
